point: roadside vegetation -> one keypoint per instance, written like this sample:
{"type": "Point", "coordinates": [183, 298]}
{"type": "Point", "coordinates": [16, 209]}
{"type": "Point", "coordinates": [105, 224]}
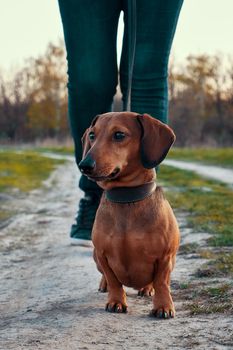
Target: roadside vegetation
{"type": "Point", "coordinates": [59, 150]}
{"type": "Point", "coordinates": [24, 170]}
{"type": "Point", "coordinates": [207, 202]}
{"type": "Point", "coordinates": [206, 297]}
{"type": "Point", "coordinates": [209, 208]}
{"type": "Point", "coordinates": [20, 172]}
{"type": "Point", "coordinates": [211, 156]}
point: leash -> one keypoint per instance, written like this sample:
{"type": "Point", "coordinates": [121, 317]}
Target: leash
{"type": "Point", "coordinates": [130, 194]}
{"type": "Point", "coordinates": [132, 27]}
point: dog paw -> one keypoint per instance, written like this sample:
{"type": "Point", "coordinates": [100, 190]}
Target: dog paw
{"type": "Point", "coordinates": [147, 291]}
{"type": "Point", "coordinates": [163, 313]}
{"type": "Point", "coordinates": [116, 307]}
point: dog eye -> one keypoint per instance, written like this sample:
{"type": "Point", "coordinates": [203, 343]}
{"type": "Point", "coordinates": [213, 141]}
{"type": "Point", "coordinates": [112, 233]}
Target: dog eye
{"type": "Point", "coordinates": [118, 135]}
{"type": "Point", "coordinates": [91, 136]}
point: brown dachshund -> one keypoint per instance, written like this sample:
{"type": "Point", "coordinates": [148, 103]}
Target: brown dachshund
{"type": "Point", "coordinates": [135, 233]}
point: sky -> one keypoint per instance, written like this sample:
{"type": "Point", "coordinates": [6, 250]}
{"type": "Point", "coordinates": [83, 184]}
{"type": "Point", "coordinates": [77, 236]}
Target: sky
{"type": "Point", "coordinates": [26, 27]}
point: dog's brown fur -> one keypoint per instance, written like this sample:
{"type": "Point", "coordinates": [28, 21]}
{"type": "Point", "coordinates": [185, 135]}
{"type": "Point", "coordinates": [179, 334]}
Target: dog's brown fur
{"type": "Point", "coordinates": [135, 244]}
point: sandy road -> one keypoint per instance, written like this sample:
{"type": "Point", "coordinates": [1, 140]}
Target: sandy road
{"type": "Point", "coordinates": [48, 288]}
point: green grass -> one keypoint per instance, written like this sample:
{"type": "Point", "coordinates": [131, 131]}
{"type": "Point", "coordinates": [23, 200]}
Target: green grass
{"type": "Point", "coordinates": [220, 264]}
{"type": "Point", "coordinates": [60, 150]}
{"type": "Point", "coordinates": [21, 172]}
{"type": "Point", "coordinates": [223, 263]}
{"type": "Point", "coordinates": [24, 170]}
{"type": "Point", "coordinates": [210, 307]}
{"type": "Point", "coordinates": [208, 300]}
{"type": "Point", "coordinates": [209, 207]}
{"type": "Point", "coordinates": [206, 297]}
{"type": "Point", "coordinates": [208, 203]}
{"type": "Point", "coordinates": [215, 156]}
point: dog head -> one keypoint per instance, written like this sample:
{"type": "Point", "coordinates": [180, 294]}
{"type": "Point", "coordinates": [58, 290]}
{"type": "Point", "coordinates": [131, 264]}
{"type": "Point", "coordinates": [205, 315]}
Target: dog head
{"type": "Point", "coordinates": [121, 149]}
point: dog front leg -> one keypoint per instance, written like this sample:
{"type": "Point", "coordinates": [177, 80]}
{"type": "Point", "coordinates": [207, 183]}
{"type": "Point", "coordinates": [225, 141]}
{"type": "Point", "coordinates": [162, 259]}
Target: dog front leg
{"type": "Point", "coordinates": [103, 283]}
{"type": "Point", "coordinates": [163, 306]}
{"type": "Point", "coordinates": [116, 294]}
{"type": "Point", "coordinates": [103, 287]}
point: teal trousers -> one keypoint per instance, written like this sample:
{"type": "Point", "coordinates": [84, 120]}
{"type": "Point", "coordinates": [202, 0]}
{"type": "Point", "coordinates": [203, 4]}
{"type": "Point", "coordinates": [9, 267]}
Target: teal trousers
{"type": "Point", "coordinates": [90, 32]}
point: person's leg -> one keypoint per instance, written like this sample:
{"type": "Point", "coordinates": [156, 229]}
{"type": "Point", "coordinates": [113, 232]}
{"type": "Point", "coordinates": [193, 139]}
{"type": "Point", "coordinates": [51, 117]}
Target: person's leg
{"type": "Point", "coordinates": [90, 30]}
{"type": "Point", "coordinates": [156, 22]}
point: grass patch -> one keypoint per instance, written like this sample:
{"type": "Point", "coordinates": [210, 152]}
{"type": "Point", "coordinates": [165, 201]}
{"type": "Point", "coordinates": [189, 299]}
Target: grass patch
{"type": "Point", "coordinates": [214, 156]}
{"type": "Point", "coordinates": [188, 248]}
{"type": "Point", "coordinates": [209, 307]}
{"type": "Point", "coordinates": [24, 170]}
{"type": "Point", "coordinates": [220, 264]}
{"type": "Point", "coordinates": [208, 202]}
{"type": "Point", "coordinates": [202, 298]}
{"type": "Point", "coordinates": [208, 300]}
{"type": "Point", "coordinates": [210, 209]}
{"type": "Point", "coordinates": [224, 263]}
{"type": "Point", "coordinates": [21, 172]}
{"type": "Point", "coordinates": [60, 150]}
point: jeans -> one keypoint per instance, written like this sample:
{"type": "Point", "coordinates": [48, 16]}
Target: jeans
{"type": "Point", "coordinates": [90, 31]}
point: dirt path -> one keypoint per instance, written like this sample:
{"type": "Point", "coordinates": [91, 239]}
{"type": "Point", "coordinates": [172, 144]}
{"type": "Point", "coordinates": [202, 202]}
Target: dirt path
{"type": "Point", "coordinates": [48, 288]}
{"type": "Point", "coordinates": [210, 171]}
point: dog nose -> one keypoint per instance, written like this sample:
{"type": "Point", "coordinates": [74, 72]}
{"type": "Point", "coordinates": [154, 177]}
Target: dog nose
{"type": "Point", "coordinates": [87, 165]}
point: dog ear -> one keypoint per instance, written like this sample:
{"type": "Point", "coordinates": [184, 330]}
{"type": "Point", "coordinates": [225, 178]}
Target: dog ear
{"type": "Point", "coordinates": [156, 140]}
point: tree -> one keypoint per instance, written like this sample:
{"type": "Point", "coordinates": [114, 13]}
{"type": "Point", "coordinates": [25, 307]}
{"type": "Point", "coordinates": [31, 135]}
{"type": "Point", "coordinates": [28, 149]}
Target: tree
{"type": "Point", "coordinates": [14, 105]}
{"type": "Point", "coordinates": [47, 115]}
{"type": "Point", "coordinates": [199, 100]}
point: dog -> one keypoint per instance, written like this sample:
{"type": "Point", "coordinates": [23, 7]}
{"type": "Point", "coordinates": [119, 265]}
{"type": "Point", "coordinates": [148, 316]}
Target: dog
{"type": "Point", "coordinates": [135, 233]}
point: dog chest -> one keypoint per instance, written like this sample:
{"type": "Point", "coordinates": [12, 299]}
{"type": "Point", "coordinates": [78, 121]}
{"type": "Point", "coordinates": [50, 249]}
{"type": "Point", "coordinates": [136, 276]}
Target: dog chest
{"type": "Point", "coordinates": [131, 269]}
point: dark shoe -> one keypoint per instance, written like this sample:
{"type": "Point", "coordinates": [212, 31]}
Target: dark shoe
{"type": "Point", "coordinates": [81, 230]}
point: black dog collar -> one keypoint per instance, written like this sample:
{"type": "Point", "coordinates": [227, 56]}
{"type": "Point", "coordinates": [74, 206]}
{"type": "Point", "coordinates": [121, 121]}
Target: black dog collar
{"type": "Point", "coordinates": [130, 194]}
